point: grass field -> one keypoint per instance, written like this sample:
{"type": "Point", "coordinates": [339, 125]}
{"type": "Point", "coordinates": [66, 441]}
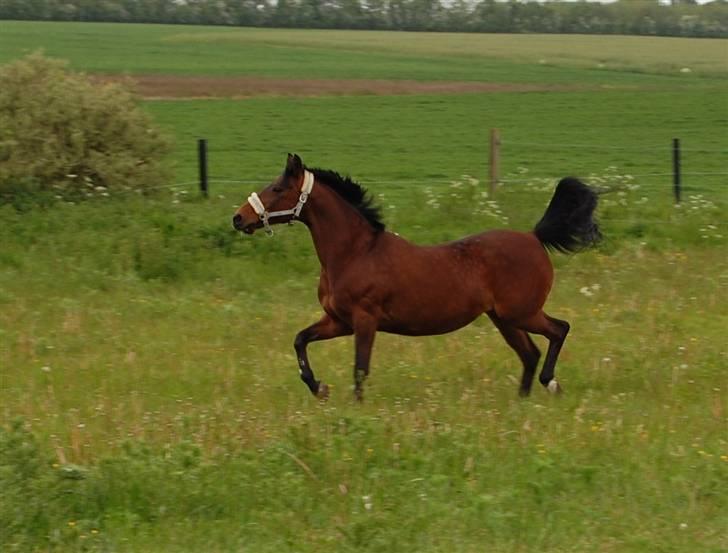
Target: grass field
{"type": "Point", "coordinates": [175, 49]}
{"type": "Point", "coordinates": [404, 139]}
{"type": "Point", "coordinates": [149, 394]}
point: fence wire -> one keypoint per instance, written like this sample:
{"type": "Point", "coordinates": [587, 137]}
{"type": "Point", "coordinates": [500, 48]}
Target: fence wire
{"type": "Point", "coordinates": [614, 182]}
{"type": "Point", "coordinates": [664, 148]}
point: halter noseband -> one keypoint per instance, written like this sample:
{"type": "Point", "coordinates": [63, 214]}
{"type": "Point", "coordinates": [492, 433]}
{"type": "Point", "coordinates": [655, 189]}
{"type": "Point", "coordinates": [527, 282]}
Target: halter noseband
{"type": "Point", "coordinates": [264, 215]}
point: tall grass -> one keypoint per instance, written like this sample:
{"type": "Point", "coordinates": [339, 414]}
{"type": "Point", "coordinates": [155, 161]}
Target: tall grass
{"type": "Point", "coordinates": [160, 408]}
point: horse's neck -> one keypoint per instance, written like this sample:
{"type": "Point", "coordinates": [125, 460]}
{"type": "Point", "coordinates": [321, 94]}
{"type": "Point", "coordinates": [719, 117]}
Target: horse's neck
{"type": "Point", "coordinates": [338, 230]}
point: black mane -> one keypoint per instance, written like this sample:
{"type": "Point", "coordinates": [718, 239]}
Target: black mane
{"type": "Point", "coordinates": [353, 193]}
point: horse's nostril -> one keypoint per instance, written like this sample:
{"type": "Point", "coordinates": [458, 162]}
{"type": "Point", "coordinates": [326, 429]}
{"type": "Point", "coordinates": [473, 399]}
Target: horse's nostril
{"type": "Point", "coordinates": [236, 220]}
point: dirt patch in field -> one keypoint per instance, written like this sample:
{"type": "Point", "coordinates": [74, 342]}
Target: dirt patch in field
{"type": "Point", "coordinates": [194, 87]}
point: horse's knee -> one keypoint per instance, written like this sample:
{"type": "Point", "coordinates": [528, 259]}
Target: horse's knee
{"type": "Point", "coordinates": [559, 328]}
{"type": "Point", "coordinates": [300, 340]}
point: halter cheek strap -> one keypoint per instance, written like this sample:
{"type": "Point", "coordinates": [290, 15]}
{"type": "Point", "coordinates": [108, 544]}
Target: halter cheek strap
{"type": "Point", "coordinates": [259, 208]}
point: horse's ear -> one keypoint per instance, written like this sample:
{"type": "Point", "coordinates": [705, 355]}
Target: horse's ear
{"type": "Point", "coordinates": [294, 165]}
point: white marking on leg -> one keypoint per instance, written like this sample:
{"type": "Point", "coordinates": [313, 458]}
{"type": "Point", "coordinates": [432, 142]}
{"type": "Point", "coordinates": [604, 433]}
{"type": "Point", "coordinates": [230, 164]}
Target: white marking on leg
{"type": "Point", "coordinates": [553, 386]}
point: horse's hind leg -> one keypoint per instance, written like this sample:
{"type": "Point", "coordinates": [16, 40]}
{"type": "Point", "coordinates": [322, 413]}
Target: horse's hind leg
{"type": "Point", "coordinates": [522, 344]}
{"type": "Point", "coordinates": [555, 330]}
{"type": "Point", "coordinates": [325, 329]}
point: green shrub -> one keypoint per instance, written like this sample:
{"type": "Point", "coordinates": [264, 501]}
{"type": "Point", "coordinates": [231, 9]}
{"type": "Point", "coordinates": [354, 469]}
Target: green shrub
{"type": "Point", "coordinates": [68, 134]}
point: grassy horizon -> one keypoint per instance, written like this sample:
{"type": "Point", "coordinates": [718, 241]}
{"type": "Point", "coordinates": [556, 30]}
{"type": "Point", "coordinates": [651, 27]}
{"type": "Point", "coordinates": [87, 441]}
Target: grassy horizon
{"type": "Point", "coordinates": [199, 50]}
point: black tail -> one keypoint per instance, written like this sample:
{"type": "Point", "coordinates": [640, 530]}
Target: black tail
{"type": "Point", "coordinates": [568, 224]}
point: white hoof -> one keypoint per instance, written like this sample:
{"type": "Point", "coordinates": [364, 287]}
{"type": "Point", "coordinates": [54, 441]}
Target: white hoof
{"type": "Point", "coordinates": [553, 387]}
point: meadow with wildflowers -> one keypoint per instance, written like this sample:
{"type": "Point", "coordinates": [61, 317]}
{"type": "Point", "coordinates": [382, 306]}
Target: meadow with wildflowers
{"type": "Point", "coordinates": [149, 395]}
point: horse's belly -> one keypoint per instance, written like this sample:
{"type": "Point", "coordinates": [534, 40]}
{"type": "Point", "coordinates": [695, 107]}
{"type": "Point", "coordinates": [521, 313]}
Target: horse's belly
{"type": "Point", "coordinates": [427, 307]}
{"type": "Point", "coordinates": [426, 327]}
{"type": "Point", "coordinates": [430, 318]}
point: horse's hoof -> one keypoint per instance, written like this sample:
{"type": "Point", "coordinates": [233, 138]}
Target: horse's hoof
{"type": "Point", "coordinates": [554, 387]}
{"type": "Point", "coordinates": [323, 392]}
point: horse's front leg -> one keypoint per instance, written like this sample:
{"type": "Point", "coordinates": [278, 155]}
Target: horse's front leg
{"type": "Point", "coordinates": [325, 329]}
{"type": "Point", "coordinates": [365, 328]}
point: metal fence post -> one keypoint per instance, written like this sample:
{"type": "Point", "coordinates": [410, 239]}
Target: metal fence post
{"type": "Point", "coordinates": [676, 184]}
{"type": "Point", "coordinates": [202, 160]}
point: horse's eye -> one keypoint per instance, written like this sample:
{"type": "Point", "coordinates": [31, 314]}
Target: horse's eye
{"type": "Point", "coordinates": [277, 189]}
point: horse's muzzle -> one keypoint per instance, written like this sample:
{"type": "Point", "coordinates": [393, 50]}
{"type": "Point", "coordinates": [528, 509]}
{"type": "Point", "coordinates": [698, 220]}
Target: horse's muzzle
{"type": "Point", "coordinates": [239, 224]}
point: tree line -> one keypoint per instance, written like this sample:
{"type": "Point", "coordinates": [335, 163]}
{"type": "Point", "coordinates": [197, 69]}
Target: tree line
{"type": "Point", "coordinates": [632, 17]}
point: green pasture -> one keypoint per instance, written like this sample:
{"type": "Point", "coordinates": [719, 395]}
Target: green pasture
{"type": "Point", "coordinates": [149, 393]}
{"type": "Point", "coordinates": [395, 143]}
{"type": "Point", "coordinates": [198, 50]}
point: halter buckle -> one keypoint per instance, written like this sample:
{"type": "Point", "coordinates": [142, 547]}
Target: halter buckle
{"type": "Point", "coordinates": [266, 225]}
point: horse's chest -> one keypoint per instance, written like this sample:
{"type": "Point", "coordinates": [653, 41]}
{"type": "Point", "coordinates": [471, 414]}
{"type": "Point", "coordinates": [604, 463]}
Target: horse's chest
{"type": "Point", "coordinates": [336, 306]}
{"type": "Point", "coordinates": [334, 302]}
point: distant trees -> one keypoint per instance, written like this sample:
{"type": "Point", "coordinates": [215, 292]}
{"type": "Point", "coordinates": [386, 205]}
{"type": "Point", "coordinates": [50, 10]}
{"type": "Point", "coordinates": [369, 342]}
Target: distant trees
{"type": "Point", "coordinates": [641, 17]}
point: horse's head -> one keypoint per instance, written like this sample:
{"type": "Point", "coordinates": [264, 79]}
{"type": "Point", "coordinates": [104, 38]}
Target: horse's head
{"type": "Point", "coordinates": [279, 202]}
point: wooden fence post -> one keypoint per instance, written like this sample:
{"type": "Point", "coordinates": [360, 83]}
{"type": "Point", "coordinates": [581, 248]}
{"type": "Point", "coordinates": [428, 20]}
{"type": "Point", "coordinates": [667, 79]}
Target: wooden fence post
{"type": "Point", "coordinates": [494, 159]}
{"type": "Point", "coordinates": [676, 184]}
{"type": "Point", "coordinates": [202, 160]}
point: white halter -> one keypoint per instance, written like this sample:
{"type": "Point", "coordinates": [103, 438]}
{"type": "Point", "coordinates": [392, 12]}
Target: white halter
{"type": "Point", "coordinates": [264, 215]}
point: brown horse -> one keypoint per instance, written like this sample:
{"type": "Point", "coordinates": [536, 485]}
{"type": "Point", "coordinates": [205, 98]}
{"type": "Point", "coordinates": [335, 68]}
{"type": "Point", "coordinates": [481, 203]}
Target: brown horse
{"type": "Point", "coordinates": [374, 280]}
